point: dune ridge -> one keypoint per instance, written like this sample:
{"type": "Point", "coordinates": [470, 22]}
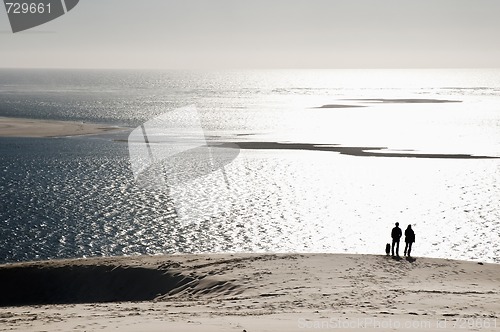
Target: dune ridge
{"type": "Point", "coordinates": [252, 292]}
{"type": "Point", "coordinates": [71, 282]}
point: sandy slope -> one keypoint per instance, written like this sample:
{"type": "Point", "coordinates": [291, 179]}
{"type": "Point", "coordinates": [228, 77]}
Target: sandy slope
{"type": "Point", "coordinates": [252, 292]}
{"type": "Point", "coordinates": [14, 127]}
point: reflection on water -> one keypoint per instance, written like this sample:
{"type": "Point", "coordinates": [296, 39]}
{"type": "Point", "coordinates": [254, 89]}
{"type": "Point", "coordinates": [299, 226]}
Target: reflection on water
{"type": "Point", "coordinates": [307, 179]}
{"type": "Point", "coordinates": [86, 203]}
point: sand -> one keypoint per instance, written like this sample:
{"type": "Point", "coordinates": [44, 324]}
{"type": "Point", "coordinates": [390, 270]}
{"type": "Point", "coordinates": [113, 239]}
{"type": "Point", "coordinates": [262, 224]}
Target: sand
{"type": "Point", "coordinates": [16, 127]}
{"type": "Point", "coordinates": [250, 292]}
{"type": "Point", "coordinates": [406, 101]}
{"type": "Point", "coordinates": [355, 151]}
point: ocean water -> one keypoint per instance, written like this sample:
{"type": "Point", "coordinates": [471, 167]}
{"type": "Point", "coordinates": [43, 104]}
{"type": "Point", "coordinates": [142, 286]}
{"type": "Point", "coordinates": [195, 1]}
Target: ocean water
{"type": "Point", "coordinates": [329, 160]}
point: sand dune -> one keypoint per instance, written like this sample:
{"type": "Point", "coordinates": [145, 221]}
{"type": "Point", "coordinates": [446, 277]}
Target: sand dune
{"type": "Point", "coordinates": [14, 127]}
{"type": "Point", "coordinates": [252, 292]}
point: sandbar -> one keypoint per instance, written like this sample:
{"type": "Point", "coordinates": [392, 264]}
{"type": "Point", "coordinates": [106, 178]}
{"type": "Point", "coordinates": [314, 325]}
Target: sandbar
{"type": "Point", "coordinates": [19, 127]}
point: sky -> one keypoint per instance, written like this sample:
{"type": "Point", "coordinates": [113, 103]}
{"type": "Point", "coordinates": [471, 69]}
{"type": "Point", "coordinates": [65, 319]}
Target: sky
{"type": "Point", "coordinates": [186, 34]}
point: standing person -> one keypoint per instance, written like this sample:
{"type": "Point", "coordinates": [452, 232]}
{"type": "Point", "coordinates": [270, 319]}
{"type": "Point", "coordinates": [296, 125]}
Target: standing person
{"type": "Point", "coordinates": [396, 235]}
{"type": "Point", "coordinates": [409, 239]}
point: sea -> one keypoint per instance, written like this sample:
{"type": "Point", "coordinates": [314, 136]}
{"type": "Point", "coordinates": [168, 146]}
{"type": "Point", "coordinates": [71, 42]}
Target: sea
{"type": "Point", "coordinates": [322, 161]}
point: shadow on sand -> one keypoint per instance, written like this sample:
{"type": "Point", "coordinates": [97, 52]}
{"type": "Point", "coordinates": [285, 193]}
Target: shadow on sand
{"type": "Point", "coordinates": [399, 258]}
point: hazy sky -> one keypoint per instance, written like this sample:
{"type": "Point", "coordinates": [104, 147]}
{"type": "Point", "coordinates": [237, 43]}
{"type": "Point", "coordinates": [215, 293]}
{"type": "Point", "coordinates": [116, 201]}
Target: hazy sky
{"type": "Point", "coordinates": [261, 34]}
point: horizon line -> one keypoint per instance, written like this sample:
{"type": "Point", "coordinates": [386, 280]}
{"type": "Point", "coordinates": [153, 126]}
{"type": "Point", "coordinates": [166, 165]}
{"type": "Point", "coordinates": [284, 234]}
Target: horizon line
{"type": "Point", "coordinates": [243, 68]}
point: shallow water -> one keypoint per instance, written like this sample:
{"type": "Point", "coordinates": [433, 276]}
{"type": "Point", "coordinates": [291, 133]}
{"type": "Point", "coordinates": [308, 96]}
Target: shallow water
{"type": "Point", "coordinates": [76, 197]}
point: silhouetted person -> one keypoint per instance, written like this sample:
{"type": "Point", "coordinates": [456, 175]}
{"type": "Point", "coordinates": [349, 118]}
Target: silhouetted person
{"type": "Point", "coordinates": [409, 239]}
{"type": "Point", "coordinates": [396, 235]}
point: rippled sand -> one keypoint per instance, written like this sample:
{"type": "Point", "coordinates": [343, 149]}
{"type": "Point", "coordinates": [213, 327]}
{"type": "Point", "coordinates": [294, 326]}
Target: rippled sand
{"type": "Point", "coordinates": [252, 292]}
